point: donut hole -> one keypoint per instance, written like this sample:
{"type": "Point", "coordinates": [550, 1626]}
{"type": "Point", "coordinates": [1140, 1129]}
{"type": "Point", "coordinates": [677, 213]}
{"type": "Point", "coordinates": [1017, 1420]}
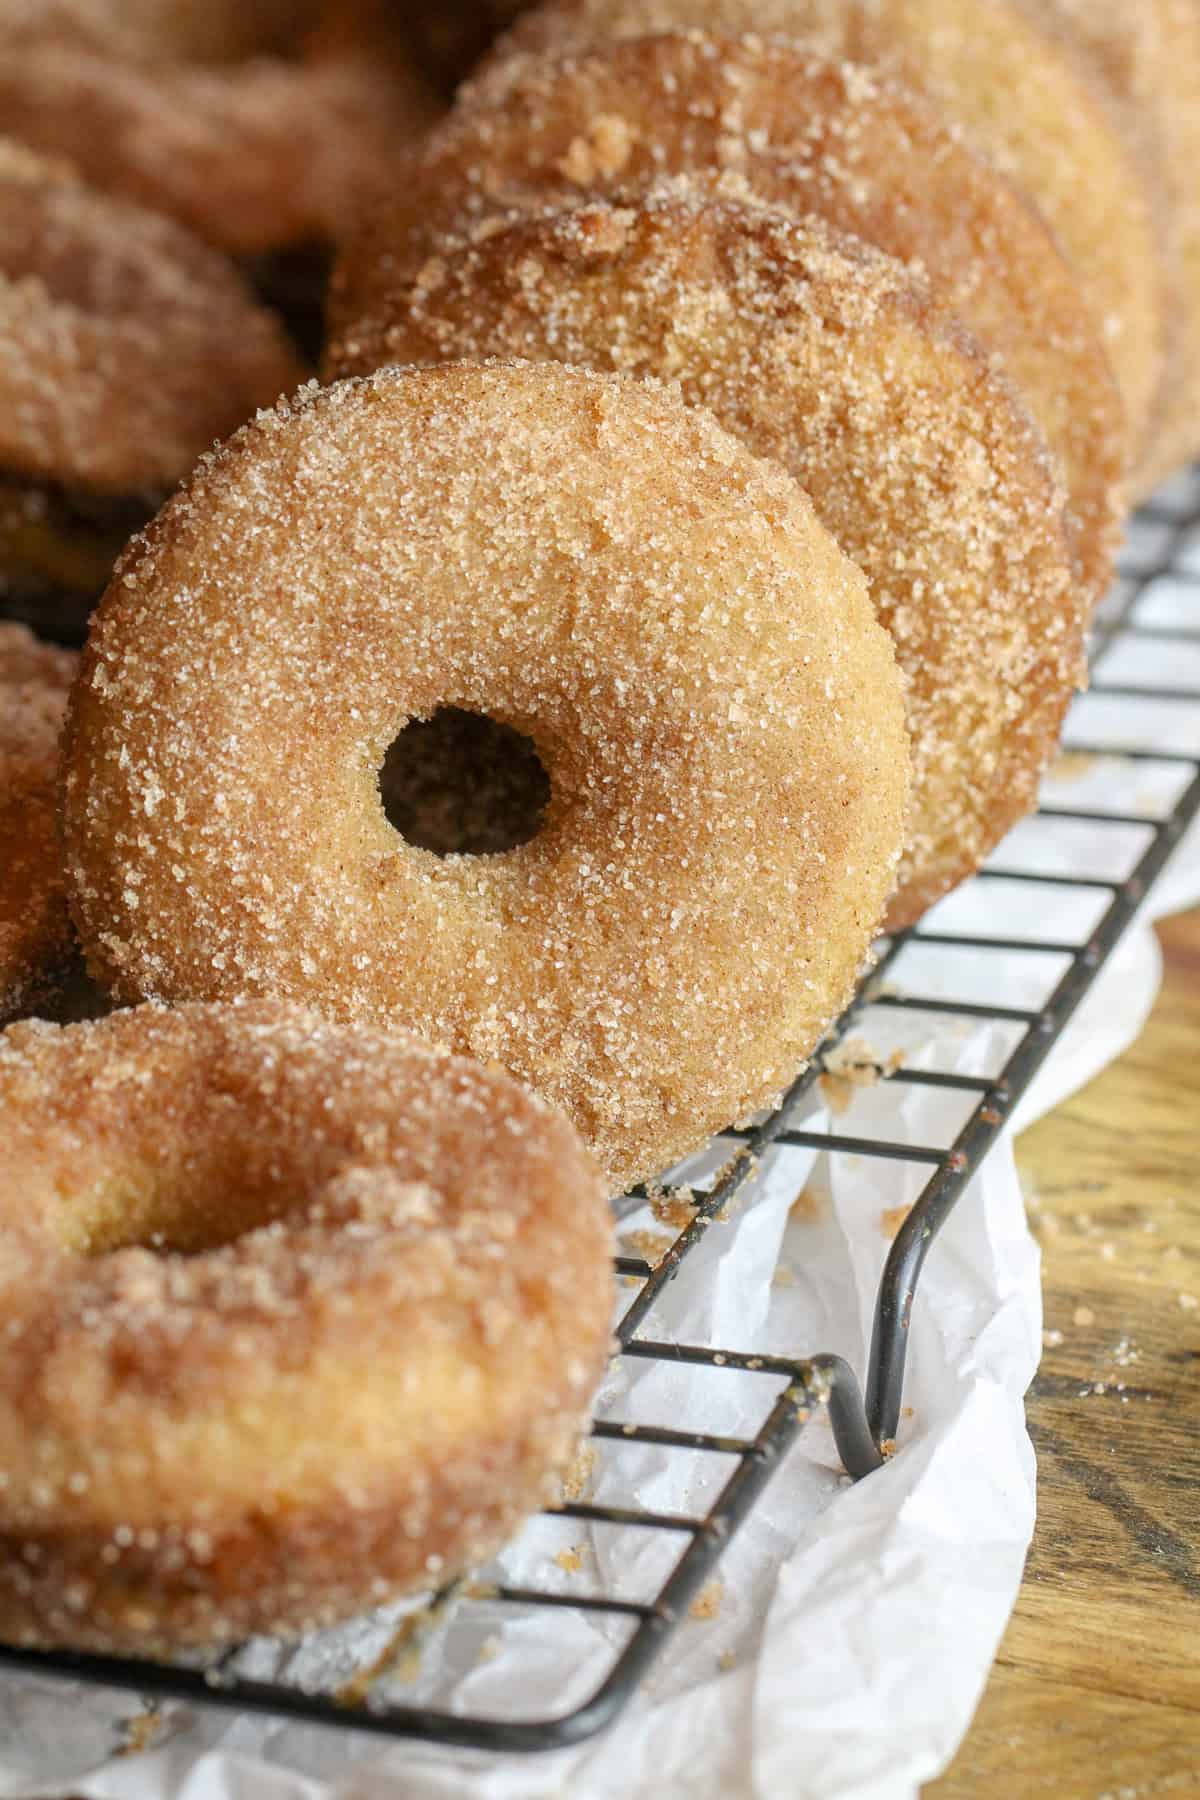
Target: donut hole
{"type": "Point", "coordinates": [185, 1211]}
{"type": "Point", "coordinates": [463, 784]}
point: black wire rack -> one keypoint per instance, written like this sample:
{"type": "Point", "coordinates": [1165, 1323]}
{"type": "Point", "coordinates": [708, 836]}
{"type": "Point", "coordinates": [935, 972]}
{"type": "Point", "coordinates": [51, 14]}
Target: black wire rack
{"type": "Point", "coordinates": [1155, 604]}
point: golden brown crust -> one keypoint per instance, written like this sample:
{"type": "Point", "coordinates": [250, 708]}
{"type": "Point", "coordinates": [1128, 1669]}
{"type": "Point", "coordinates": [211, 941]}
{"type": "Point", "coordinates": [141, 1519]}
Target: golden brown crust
{"type": "Point", "coordinates": [254, 155]}
{"type": "Point", "coordinates": [597, 566]}
{"type": "Point", "coordinates": [338, 1300]}
{"type": "Point", "coordinates": [126, 346]}
{"type": "Point", "coordinates": [36, 939]}
{"type": "Point", "coordinates": [825, 356]}
{"type": "Point", "coordinates": [1149, 54]}
{"type": "Point", "coordinates": [1000, 70]}
{"type": "Point", "coordinates": [818, 137]}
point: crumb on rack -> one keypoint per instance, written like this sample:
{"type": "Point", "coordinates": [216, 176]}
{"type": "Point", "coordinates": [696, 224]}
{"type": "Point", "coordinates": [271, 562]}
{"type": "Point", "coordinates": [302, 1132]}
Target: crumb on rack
{"type": "Point", "coordinates": [580, 1474]}
{"type": "Point", "coordinates": [892, 1218]}
{"type": "Point", "coordinates": [783, 1277]}
{"type": "Point", "coordinates": [570, 1561]}
{"type": "Point", "coordinates": [1072, 765]}
{"type": "Point", "coordinates": [141, 1732]}
{"type": "Point", "coordinates": [651, 1246]}
{"type": "Point", "coordinates": [674, 1206]}
{"type": "Point", "coordinates": [707, 1604]}
{"type": "Point", "coordinates": [807, 1206]}
{"type": "Point", "coordinates": [854, 1064]}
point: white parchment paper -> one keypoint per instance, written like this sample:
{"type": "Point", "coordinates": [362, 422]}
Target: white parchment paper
{"type": "Point", "coordinates": [854, 1628]}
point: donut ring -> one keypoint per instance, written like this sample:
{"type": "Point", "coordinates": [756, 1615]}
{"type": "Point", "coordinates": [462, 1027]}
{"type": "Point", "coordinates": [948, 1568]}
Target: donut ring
{"type": "Point", "coordinates": [587, 561]}
{"type": "Point", "coordinates": [36, 940]}
{"type": "Point", "coordinates": [253, 156]}
{"type": "Point", "coordinates": [212, 31]}
{"type": "Point", "coordinates": [814, 136]}
{"type": "Point", "coordinates": [1021, 93]}
{"type": "Point", "coordinates": [826, 357]}
{"type": "Point", "coordinates": [126, 347]}
{"type": "Point", "coordinates": [1150, 56]}
{"type": "Point", "coordinates": [275, 1257]}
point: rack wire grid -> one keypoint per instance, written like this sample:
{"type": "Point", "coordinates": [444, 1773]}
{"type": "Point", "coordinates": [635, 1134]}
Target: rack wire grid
{"type": "Point", "coordinates": [1155, 604]}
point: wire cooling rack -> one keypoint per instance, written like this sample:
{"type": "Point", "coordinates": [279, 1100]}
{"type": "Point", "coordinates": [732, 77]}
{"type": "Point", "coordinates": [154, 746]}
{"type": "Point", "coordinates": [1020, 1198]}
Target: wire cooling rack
{"type": "Point", "coordinates": [1155, 605]}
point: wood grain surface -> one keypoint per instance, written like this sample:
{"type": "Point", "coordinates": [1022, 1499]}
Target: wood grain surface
{"type": "Point", "coordinates": [1096, 1693]}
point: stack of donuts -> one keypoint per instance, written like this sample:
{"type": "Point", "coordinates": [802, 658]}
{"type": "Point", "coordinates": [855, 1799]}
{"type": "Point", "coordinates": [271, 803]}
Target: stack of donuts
{"type": "Point", "coordinates": [486, 774]}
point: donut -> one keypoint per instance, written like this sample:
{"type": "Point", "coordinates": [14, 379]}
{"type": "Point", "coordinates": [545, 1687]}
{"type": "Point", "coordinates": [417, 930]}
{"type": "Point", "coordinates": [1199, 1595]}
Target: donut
{"type": "Point", "coordinates": [272, 1357]}
{"type": "Point", "coordinates": [126, 346]}
{"type": "Point", "coordinates": [255, 155]}
{"type": "Point", "coordinates": [826, 356]}
{"type": "Point", "coordinates": [1000, 70]}
{"type": "Point", "coordinates": [818, 137]}
{"type": "Point", "coordinates": [213, 31]}
{"type": "Point", "coordinates": [1150, 56]}
{"type": "Point", "coordinates": [601, 569]}
{"type": "Point", "coordinates": [36, 940]}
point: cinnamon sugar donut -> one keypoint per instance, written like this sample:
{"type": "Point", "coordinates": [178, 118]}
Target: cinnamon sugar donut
{"type": "Point", "coordinates": [815, 136]}
{"type": "Point", "coordinates": [1018, 87]}
{"type": "Point", "coordinates": [1149, 54]}
{"type": "Point", "coordinates": [36, 940]}
{"type": "Point", "coordinates": [273, 1355]}
{"type": "Point", "coordinates": [126, 346]}
{"type": "Point", "coordinates": [254, 155]}
{"type": "Point", "coordinates": [825, 356]}
{"type": "Point", "coordinates": [600, 568]}
{"type": "Point", "coordinates": [213, 31]}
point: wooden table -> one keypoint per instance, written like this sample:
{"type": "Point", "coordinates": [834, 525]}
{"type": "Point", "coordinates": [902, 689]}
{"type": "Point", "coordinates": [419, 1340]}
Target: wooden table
{"type": "Point", "coordinates": [1096, 1694]}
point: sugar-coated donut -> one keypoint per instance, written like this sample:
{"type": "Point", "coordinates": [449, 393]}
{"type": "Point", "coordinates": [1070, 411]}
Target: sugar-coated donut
{"type": "Point", "coordinates": [126, 345]}
{"type": "Point", "coordinates": [817, 136]}
{"type": "Point", "coordinates": [211, 31]}
{"type": "Point", "coordinates": [1150, 56]}
{"type": "Point", "coordinates": [1018, 88]}
{"type": "Point", "coordinates": [599, 567]}
{"type": "Point", "coordinates": [35, 929]}
{"type": "Point", "coordinates": [827, 357]}
{"type": "Point", "coordinates": [297, 1318]}
{"type": "Point", "coordinates": [254, 155]}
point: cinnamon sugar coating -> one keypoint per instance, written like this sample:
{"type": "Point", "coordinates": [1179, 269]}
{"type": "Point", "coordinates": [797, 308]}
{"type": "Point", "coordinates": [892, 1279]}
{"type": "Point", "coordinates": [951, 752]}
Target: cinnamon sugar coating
{"type": "Point", "coordinates": [590, 562]}
{"type": "Point", "coordinates": [257, 154]}
{"type": "Point", "coordinates": [825, 356]}
{"type": "Point", "coordinates": [1021, 92]}
{"type": "Point", "coordinates": [126, 346]}
{"type": "Point", "coordinates": [298, 1318]}
{"type": "Point", "coordinates": [819, 137]}
{"type": "Point", "coordinates": [1149, 54]}
{"type": "Point", "coordinates": [35, 930]}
